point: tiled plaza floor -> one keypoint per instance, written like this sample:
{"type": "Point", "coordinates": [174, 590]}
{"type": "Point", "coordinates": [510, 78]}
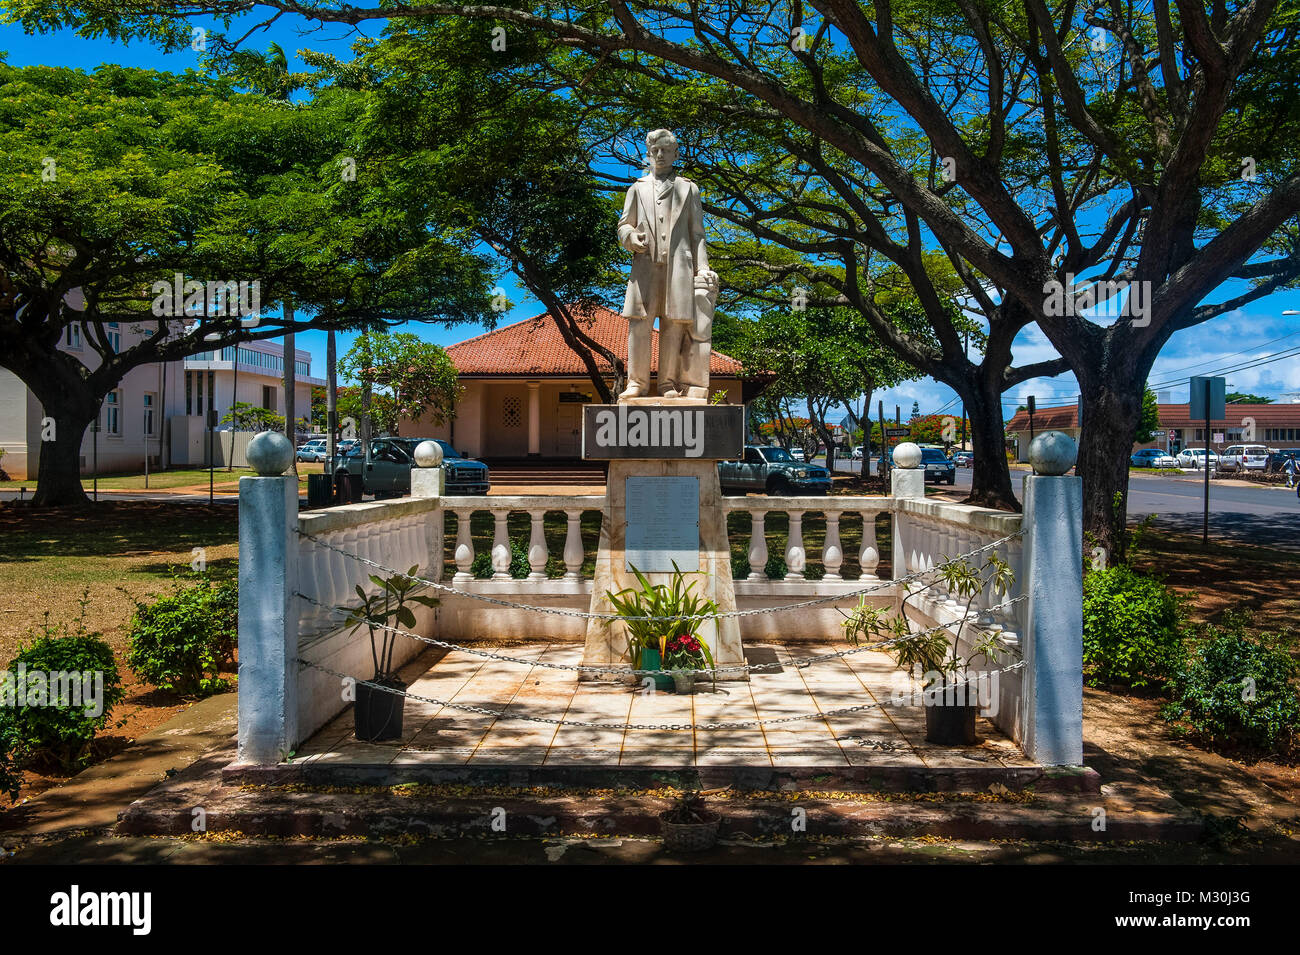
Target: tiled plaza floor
{"type": "Point", "coordinates": [444, 735]}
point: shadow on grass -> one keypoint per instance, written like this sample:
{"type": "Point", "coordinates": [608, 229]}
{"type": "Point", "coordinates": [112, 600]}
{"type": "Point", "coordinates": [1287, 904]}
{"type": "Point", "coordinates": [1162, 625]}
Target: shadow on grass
{"type": "Point", "coordinates": [114, 529]}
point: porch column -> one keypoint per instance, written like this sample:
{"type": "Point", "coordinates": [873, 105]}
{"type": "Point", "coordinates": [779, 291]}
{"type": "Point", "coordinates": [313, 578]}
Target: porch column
{"type": "Point", "coordinates": [534, 419]}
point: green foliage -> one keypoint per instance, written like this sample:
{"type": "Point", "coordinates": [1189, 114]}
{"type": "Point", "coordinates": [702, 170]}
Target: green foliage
{"type": "Point", "coordinates": [930, 650]}
{"type": "Point", "coordinates": [519, 566]}
{"type": "Point", "coordinates": [1132, 628]}
{"type": "Point", "coordinates": [11, 777]}
{"type": "Point", "coordinates": [669, 603]}
{"type": "Point", "coordinates": [380, 611]}
{"type": "Point", "coordinates": [1235, 691]}
{"type": "Point", "coordinates": [1244, 398]}
{"type": "Point", "coordinates": [249, 417]}
{"type": "Point", "coordinates": [48, 720]}
{"type": "Point", "coordinates": [181, 640]}
{"type": "Point", "coordinates": [414, 378]}
{"type": "Point", "coordinates": [1149, 422]}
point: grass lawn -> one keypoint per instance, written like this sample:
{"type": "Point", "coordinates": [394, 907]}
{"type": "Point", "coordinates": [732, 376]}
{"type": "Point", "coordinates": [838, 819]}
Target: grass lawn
{"type": "Point", "coordinates": [183, 477]}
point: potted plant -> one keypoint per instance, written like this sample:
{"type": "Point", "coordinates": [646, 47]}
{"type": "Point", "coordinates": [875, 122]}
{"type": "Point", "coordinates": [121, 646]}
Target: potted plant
{"type": "Point", "coordinates": [686, 654]}
{"type": "Point", "coordinates": [676, 610]}
{"type": "Point", "coordinates": [689, 826]}
{"type": "Point", "coordinates": [378, 712]}
{"type": "Point", "coordinates": [949, 715]}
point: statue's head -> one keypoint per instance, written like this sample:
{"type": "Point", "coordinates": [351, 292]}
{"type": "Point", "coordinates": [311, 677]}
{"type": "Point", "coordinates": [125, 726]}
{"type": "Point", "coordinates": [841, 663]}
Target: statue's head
{"type": "Point", "coordinates": [661, 150]}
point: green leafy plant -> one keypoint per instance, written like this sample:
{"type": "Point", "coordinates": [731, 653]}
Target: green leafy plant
{"type": "Point", "coordinates": [50, 717]}
{"type": "Point", "coordinates": [675, 603]}
{"type": "Point", "coordinates": [11, 777]}
{"type": "Point", "coordinates": [375, 611]}
{"type": "Point", "coordinates": [930, 650]}
{"type": "Point", "coordinates": [1132, 628]}
{"type": "Point", "coordinates": [1238, 692]}
{"type": "Point", "coordinates": [182, 640]}
{"type": "Point", "coordinates": [482, 568]}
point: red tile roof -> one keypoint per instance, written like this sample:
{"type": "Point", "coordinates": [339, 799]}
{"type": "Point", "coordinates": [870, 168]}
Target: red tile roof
{"type": "Point", "coordinates": [1171, 416]}
{"type": "Point", "coordinates": [535, 348]}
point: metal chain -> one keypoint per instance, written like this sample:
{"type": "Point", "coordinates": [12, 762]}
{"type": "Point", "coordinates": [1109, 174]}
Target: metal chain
{"type": "Point", "coordinates": [743, 724]}
{"type": "Point", "coordinates": [627, 671]}
{"type": "Point", "coordinates": [586, 615]}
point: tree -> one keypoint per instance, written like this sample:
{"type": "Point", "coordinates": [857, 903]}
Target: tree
{"type": "Point", "coordinates": [415, 377]}
{"type": "Point", "coordinates": [248, 417]}
{"type": "Point", "coordinates": [126, 184]}
{"type": "Point", "coordinates": [1245, 398]}
{"type": "Point", "coordinates": [1149, 152]}
{"type": "Point", "coordinates": [1149, 423]}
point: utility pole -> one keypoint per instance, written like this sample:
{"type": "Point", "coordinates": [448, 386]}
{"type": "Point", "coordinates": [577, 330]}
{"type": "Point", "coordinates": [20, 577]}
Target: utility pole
{"type": "Point", "coordinates": [290, 385]}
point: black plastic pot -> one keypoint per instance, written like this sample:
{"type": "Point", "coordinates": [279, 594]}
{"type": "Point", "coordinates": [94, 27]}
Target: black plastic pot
{"type": "Point", "coordinates": [950, 725]}
{"type": "Point", "coordinates": [378, 714]}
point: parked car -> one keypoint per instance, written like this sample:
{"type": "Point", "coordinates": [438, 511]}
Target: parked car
{"type": "Point", "coordinates": [1152, 458]}
{"type": "Point", "coordinates": [938, 466]}
{"type": "Point", "coordinates": [386, 469]}
{"type": "Point", "coordinates": [774, 471]}
{"type": "Point", "coordinates": [1195, 458]}
{"type": "Point", "coordinates": [797, 454]}
{"type": "Point", "coordinates": [964, 459]}
{"type": "Point", "coordinates": [1243, 457]}
{"type": "Point", "coordinates": [857, 453]}
{"type": "Point", "coordinates": [313, 450]}
{"type": "Point", "coordinates": [1277, 459]}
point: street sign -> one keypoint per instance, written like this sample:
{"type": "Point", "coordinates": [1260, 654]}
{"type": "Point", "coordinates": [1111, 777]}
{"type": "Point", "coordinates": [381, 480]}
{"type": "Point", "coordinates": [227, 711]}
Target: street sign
{"type": "Point", "coordinates": [897, 432]}
{"type": "Point", "coordinates": [1173, 434]}
{"type": "Point", "coordinates": [1215, 411]}
{"type": "Point", "coordinates": [1218, 437]}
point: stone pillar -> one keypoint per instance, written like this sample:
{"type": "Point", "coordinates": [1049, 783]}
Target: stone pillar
{"type": "Point", "coordinates": [1053, 584]}
{"type": "Point", "coordinates": [534, 419]}
{"type": "Point", "coordinates": [268, 610]}
{"type": "Point", "coordinates": [906, 482]}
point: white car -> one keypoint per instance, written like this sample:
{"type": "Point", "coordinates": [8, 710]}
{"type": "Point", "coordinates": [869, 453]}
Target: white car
{"type": "Point", "coordinates": [857, 453]}
{"type": "Point", "coordinates": [1243, 457]}
{"type": "Point", "coordinates": [797, 454]}
{"type": "Point", "coordinates": [1194, 458]}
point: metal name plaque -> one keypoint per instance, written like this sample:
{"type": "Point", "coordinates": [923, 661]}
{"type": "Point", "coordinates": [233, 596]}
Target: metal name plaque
{"type": "Point", "coordinates": [663, 523]}
{"type": "Point", "coordinates": [690, 432]}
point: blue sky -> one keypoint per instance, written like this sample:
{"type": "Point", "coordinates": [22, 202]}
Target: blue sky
{"type": "Point", "coordinates": [1221, 346]}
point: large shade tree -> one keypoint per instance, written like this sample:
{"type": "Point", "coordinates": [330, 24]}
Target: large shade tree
{"type": "Point", "coordinates": [1148, 150]}
{"type": "Point", "coordinates": [121, 180]}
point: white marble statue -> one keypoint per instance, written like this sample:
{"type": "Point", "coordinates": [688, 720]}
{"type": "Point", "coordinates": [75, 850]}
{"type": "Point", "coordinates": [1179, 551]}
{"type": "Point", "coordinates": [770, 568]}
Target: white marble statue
{"type": "Point", "coordinates": [663, 227]}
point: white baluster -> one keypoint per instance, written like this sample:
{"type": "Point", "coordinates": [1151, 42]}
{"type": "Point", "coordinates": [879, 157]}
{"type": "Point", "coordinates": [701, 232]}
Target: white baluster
{"type": "Point", "coordinates": [869, 555]}
{"type": "Point", "coordinates": [537, 552]}
{"type": "Point", "coordinates": [832, 554]}
{"type": "Point", "coordinates": [464, 554]}
{"type": "Point", "coordinates": [795, 558]}
{"type": "Point", "coordinates": [500, 544]}
{"type": "Point", "coordinates": [573, 552]}
{"type": "Point", "coordinates": [757, 545]}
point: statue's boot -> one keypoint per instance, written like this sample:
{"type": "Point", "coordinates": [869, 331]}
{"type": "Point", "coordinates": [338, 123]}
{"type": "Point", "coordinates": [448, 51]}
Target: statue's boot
{"type": "Point", "coordinates": [633, 391]}
{"type": "Point", "coordinates": [694, 392]}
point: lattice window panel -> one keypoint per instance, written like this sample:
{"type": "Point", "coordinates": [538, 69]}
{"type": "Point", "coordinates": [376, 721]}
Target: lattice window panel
{"type": "Point", "coordinates": [512, 412]}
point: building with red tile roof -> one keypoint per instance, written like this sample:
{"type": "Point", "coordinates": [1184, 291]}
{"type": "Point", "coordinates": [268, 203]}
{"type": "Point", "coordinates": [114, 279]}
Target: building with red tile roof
{"type": "Point", "coordinates": [524, 387]}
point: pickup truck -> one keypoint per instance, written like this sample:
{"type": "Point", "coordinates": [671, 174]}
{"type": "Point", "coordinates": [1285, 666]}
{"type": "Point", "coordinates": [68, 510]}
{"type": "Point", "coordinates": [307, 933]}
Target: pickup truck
{"type": "Point", "coordinates": [385, 467]}
{"type": "Point", "coordinates": [773, 471]}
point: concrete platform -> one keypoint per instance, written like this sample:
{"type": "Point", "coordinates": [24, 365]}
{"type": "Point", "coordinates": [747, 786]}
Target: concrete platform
{"type": "Point", "coordinates": [875, 739]}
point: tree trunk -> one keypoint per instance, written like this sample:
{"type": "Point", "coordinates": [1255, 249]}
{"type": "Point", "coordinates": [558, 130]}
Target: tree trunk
{"type": "Point", "coordinates": [990, 476]}
{"type": "Point", "coordinates": [1111, 410]}
{"type": "Point", "coordinates": [58, 476]}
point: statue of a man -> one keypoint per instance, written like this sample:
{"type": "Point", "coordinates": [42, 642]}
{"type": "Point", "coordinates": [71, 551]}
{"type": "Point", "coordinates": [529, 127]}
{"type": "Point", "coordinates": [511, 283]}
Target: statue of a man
{"type": "Point", "coordinates": [663, 227]}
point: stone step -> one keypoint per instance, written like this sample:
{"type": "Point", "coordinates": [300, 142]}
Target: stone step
{"type": "Point", "coordinates": [451, 811]}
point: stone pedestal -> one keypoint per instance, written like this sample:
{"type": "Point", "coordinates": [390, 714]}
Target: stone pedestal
{"type": "Point", "coordinates": [428, 482]}
{"type": "Point", "coordinates": [607, 639]}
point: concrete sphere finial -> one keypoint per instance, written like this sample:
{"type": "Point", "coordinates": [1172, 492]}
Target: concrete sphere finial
{"type": "Point", "coordinates": [428, 454]}
{"type": "Point", "coordinates": [907, 456]}
{"type": "Point", "coordinates": [269, 453]}
{"type": "Point", "coordinates": [1053, 453]}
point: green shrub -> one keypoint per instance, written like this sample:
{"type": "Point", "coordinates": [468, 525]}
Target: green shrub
{"type": "Point", "coordinates": [519, 566]}
{"type": "Point", "coordinates": [10, 776]}
{"type": "Point", "coordinates": [1132, 628]}
{"type": "Point", "coordinates": [1236, 691]}
{"type": "Point", "coordinates": [180, 641]}
{"type": "Point", "coordinates": [49, 719]}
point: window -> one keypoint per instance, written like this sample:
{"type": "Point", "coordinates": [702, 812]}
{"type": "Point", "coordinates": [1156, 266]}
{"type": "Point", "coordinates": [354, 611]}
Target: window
{"type": "Point", "coordinates": [113, 413]}
{"type": "Point", "coordinates": [74, 337]}
{"type": "Point", "coordinates": [148, 412]}
{"type": "Point", "coordinates": [114, 335]}
{"type": "Point", "coordinates": [268, 397]}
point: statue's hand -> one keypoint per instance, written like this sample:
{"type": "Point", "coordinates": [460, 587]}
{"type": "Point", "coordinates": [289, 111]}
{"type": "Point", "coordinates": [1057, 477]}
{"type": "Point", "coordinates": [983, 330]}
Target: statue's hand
{"type": "Point", "coordinates": [636, 241]}
{"type": "Point", "coordinates": [707, 279]}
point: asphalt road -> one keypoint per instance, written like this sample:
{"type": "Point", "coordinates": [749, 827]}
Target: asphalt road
{"type": "Point", "coordinates": [1252, 515]}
